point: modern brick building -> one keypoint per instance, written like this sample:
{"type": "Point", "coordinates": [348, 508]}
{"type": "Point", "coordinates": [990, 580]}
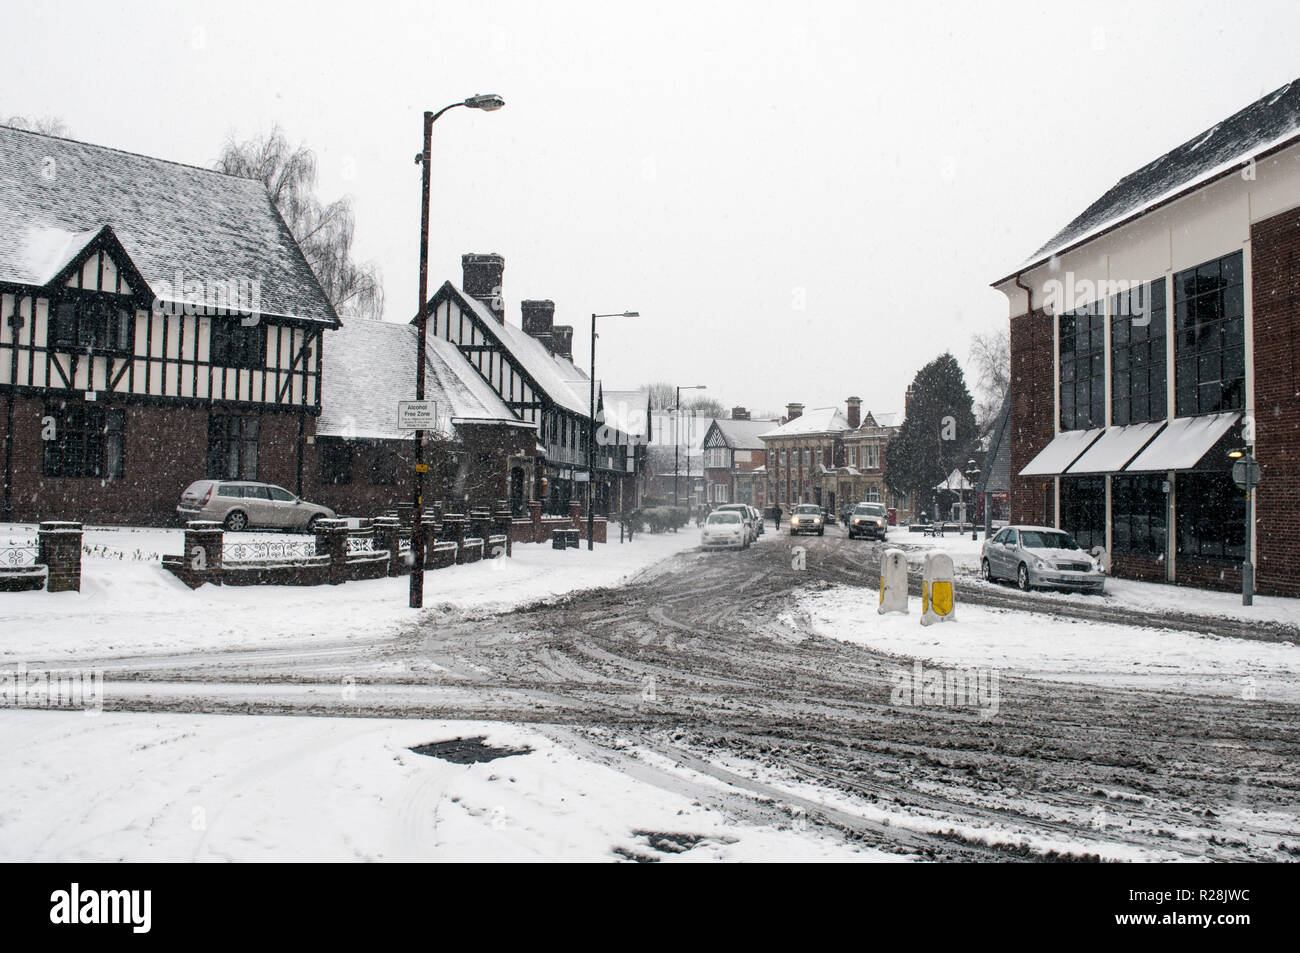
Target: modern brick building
{"type": "Point", "coordinates": [158, 323]}
{"type": "Point", "coordinates": [1154, 334]}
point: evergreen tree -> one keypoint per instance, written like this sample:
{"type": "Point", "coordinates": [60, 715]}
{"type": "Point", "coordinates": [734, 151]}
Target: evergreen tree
{"type": "Point", "coordinates": [938, 433]}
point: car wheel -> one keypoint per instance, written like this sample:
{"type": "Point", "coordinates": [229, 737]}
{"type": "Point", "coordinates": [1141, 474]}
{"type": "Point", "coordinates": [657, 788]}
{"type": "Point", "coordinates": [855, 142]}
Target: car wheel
{"type": "Point", "coordinates": [1022, 577]}
{"type": "Point", "coordinates": [311, 523]}
{"type": "Point", "coordinates": [986, 571]}
{"type": "Point", "coordinates": [236, 521]}
{"type": "Point", "coordinates": [821, 532]}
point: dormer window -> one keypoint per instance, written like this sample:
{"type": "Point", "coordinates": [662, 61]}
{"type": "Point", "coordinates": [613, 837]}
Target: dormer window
{"type": "Point", "coordinates": [93, 323]}
{"type": "Point", "coordinates": [235, 344]}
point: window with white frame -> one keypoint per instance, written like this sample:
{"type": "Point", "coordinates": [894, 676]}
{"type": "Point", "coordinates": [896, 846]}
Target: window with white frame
{"type": "Point", "coordinates": [853, 456]}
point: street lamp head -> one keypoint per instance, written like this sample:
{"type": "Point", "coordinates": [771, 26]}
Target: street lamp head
{"type": "Point", "coordinates": [488, 102]}
{"type": "Point", "coordinates": [631, 314]}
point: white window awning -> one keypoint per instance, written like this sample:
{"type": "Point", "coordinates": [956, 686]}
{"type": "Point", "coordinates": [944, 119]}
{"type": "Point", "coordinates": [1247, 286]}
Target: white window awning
{"type": "Point", "coordinates": [1117, 446]}
{"type": "Point", "coordinates": [1183, 443]}
{"type": "Point", "coordinates": [1056, 457]}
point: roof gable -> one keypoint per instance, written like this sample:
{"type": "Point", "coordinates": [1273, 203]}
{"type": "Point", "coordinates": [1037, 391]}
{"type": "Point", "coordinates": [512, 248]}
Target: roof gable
{"type": "Point", "coordinates": [169, 220]}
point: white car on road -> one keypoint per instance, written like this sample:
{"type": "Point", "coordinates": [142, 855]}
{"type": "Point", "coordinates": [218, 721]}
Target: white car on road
{"type": "Point", "coordinates": [724, 529]}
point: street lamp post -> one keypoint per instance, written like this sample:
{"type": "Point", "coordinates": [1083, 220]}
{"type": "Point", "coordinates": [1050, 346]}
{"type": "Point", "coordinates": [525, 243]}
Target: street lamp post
{"type": "Point", "coordinates": [487, 103]}
{"type": "Point", "coordinates": [1245, 471]}
{"type": "Point", "coordinates": [591, 429]}
{"type": "Point", "coordinates": [677, 441]}
{"type": "Point", "coordinates": [972, 472]}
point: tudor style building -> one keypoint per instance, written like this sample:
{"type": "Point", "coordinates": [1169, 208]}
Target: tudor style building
{"type": "Point", "coordinates": [1155, 333]}
{"type": "Point", "coordinates": [735, 460]}
{"type": "Point", "coordinates": [158, 323]}
{"type": "Point", "coordinates": [531, 370]}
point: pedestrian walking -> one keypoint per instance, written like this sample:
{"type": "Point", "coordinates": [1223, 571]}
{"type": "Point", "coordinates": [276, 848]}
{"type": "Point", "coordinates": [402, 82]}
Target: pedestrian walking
{"type": "Point", "coordinates": [776, 517]}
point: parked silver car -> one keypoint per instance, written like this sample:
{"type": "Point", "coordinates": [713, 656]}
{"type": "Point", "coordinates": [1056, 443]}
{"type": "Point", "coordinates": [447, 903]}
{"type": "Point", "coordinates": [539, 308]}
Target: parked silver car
{"type": "Point", "coordinates": [1040, 556]}
{"type": "Point", "coordinates": [243, 504]}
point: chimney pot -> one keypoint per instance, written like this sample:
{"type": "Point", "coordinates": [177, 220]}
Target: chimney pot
{"type": "Point", "coordinates": [792, 411]}
{"type": "Point", "coordinates": [482, 280]}
{"type": "Point", "coordinates": [739, 413]}
{"type": "Point", "coordinates": [562, 341]}
{"type": "Point", "coordinates": [854, 407]}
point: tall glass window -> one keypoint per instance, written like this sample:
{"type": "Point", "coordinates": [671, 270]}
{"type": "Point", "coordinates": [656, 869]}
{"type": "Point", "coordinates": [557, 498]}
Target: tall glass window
{"type": "Point", "coordinates": [1137, 505]}
{"type": "Point", "coordinates": [1083, 510]}
{"type": "Point", "coordinates": [1083, 368]}
{"type": "Point", "coordinates": [1137, 354]}
{"type": "Point", "coordinates": [1210, 337]}
{"type": "Point", "coordinates": [1211, 516]}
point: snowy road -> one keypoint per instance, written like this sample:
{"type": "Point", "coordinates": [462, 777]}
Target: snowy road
{"type": "Point", "coordinates": [767, 693]}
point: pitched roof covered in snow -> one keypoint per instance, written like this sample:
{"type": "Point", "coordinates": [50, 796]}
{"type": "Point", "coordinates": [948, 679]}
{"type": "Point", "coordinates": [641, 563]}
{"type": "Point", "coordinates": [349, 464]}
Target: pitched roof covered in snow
{"type": "Point", "coordinates": [57, 194]}
{"type": "Point", "coordinates": [743, 434]}
{"type": "Point", "coordinates": [628, 411]}
{"type": "Point", "coordinates": [816, 421]}
{"type": "Point", "coordinates": [1264, 125]}
{"type": "Point", "coordinates": [370, 366]}
{"type": "Point", "coordinates": [561, 380]}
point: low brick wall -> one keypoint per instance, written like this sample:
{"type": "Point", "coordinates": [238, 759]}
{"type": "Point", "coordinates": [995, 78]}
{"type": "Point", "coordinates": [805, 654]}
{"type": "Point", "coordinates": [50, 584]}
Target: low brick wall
{"type": "Point", "coordinates": [311, 571]}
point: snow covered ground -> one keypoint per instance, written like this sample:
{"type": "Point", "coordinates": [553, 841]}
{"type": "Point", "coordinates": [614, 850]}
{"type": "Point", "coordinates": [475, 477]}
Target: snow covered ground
{"type": "Point", "coordinates": [170, 787]}
{"type": "Point", "coordinates": [1046, 646]}
{"type": "Point", "coordinates": [1150, 596]}
{"type": "Point", "coordinates": [129, 604]}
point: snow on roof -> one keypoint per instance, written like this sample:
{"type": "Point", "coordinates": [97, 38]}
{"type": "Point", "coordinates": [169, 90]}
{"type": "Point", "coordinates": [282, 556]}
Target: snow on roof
{"type": "Point", "coordinates": [1117, 446]}
{"type": "Point", "coordinates": [169, 218]}
{"type": "Point", "coordinates": [1064, 449]}
{"type": "Point", "coordinates": [1182, 444]}
{"type": "Point", "coordinates": [627, 410]}
{"type": "Point", "coordinates": [743, 434]}
{"type": "Point", "coordinates": [370, 366]}
{"type": "Point", "coordinates": [956, 481]}
{"type": "Point", "coordinates": [1263, 125]}
{"type": "Point", "coordinates": [817, 420]}
{"type": "Point", "coordinates": [558, 377]}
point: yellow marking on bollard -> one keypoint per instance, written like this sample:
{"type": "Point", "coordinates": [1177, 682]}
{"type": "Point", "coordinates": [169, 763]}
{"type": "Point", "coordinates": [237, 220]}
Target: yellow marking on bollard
{"type": "Point", "coordinates": [941, 597]}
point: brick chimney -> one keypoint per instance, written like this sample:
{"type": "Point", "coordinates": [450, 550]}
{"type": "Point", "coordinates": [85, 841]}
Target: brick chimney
{"type": "Point", "coordinates": [739, 413]}
{"type": "Point", "coordinates": [792, 411]}
{"type": "Point", "coordinates": [854, 407]}
{"type": "Point", "coordinates": [538, 319]}
{"type": "Point", "coordinates": [482, 280]}
{"type": "Point", "coordinates": [562, 340]}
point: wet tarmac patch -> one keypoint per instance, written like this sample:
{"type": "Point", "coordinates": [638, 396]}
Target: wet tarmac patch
{"type": "Point", "coordinates": [467, 750]}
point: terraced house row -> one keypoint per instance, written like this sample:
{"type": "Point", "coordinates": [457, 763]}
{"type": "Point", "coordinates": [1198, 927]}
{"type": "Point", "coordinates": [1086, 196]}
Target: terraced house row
{"type": "Point", "coordinates": [1152, 336]}
{"type": "Point", "coordinates": [159, 324]}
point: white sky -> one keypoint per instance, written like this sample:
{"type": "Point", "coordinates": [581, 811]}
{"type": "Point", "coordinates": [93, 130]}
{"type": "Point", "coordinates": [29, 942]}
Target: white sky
{"type": "Point", "coordinates": [704, 163]}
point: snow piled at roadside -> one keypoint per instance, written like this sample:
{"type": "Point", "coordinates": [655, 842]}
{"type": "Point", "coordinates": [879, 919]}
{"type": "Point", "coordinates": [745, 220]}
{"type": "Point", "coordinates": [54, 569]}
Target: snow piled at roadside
{"type": "Point", "coordinates": [1039, 645]}
{"type": "Point", "coordinates": [179, 788]}
{"type": "Point", "coordinates": [129, 604]}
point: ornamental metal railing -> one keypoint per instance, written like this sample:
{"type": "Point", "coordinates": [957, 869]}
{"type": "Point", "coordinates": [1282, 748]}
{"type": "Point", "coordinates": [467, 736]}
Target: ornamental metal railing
{"type": "Point", "coordinates": [259, 551]}
{"type": "Point", "coordinates": [17, 556]}
{"type": "Point", "coordinates": [359, 543]}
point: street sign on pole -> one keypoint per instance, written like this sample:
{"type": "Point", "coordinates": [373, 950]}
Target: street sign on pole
{"type": "Point", "coordinates": [1245, 473]}
{"type": "Point", "coordinates": [416, 414]}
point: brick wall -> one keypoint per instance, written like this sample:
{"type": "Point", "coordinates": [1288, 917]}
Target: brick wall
{"type": "Point", "coordinates": [1033, 406]}
{"type": "Point", "coordinates": [1275, 273]}
{"type": "Point", "coordinates": [165, 451]}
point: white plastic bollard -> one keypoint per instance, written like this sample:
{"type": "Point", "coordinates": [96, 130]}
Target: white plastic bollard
{"type": "Point", "coordinates": [893, 582]}
{"type": "Point", "coordinates": [938, 601]}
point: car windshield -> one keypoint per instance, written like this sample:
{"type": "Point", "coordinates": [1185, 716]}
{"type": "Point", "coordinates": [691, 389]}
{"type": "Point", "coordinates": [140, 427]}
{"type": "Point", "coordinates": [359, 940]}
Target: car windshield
{"type": "Point", "coordinates": [1036, 539]}
{"type": "Point", "coordinates": [724, 518]}
{"type": "Point", "coordinates": [870, 511]}
{"type": "Point", "coordinates": [808, 508]}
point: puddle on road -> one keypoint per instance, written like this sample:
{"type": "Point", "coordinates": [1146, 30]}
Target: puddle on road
{"type": "Point", "coordinates": [467, 750]}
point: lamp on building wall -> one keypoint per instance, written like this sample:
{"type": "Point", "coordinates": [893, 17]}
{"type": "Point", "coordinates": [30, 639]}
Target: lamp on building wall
{"type": "Point", "coordinates": [489, 102]}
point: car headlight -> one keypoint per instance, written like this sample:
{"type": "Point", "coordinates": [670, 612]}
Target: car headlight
{"type": "Point", "coordinates": [1039, 564]}
{"type": "Point", "coordinates": [816, 520]}
{"type": "Point", "coordinates": [857, 522]}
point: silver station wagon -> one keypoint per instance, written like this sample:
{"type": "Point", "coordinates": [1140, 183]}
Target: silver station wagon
{"type": "Point", "coordinates": [1040, 556]}
{"type": "Point", "coordinates": [244, 504]}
